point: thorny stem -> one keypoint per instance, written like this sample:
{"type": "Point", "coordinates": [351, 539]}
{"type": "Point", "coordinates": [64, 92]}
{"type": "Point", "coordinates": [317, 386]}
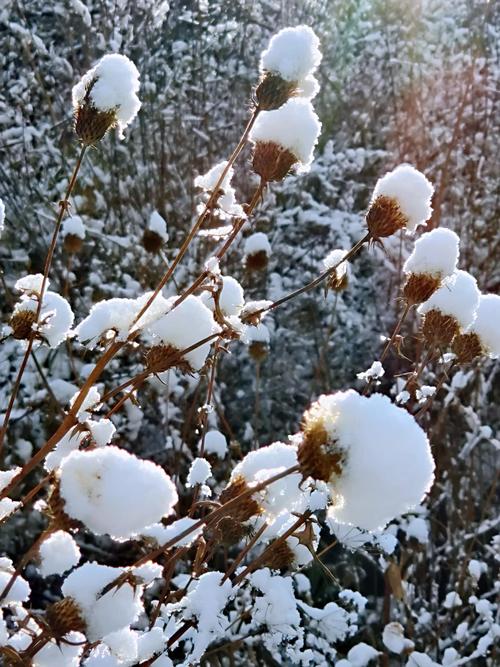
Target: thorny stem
{"type": "Point", "coordinates": [397, 329]}
{"type": "Point", "coordinates": [208, 205]}
{"type": "Point", "coordinates": [63, 207]}
{"type": "Point", "coordinates": [445, 375]}
{"type": "Point", "coordinates": [24, 560]}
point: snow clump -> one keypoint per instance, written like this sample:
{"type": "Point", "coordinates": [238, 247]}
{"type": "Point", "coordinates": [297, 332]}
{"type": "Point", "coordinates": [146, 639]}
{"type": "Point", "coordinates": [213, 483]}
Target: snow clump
{"type": "Point", "coordinates": [113, 492]}
{"type": "Point", "coordinates": [458, 297]}
{"type": "Point", "coordinates": [487, 324]}
{"type": "Point", "coordinates": [435, 254]}
{"type": "Point", "coordinates": [58, 553]}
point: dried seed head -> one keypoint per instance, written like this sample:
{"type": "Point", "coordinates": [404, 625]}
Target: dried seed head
{"type": "Point", "coordinates": [59, 520]}
{"type": "Point", "coordinates": [258, 350]}
{"type": "Point", "coordinates": [318, 455]}
{"type": "Point", "coordinates": [439, 329]}
{"type": "Point", "coordinates": [65, 616]}
{"type": "Point", "coordinates": [280, 557]}
{"type": "Point", "coordinates": [72, 243]}
{"type": "Point", "coordinates": [152, 241]}
{"type": "Point", "coordinates": [273, 91]}
{"type": "Point", "coordinates": [160, 358]}
{"type": "Point", "coordinates": [91, 124]}
{"type": "Point", "coordinates": [385, 217]}
{"type": "Point", "coordinates": [419, 287]}
{"type": "Point", "coordinates": [467, 347]}
{"type": "Point", "coordinates": [230, 531]}
{"type": "Point", "coordinates": [257, 261]}
{"type": "Point", "coordinates": [247, 507]}
{"type": "Point", "coordinates": [21, 323]}
{"type": "Point", "coordinates": [337, 282]}
{"type": "Point", "coordinates": [271, 161]}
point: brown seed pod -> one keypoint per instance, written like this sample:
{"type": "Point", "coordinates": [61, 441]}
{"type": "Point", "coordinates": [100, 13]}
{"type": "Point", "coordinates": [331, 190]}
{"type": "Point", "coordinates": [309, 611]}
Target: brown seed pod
{"type": "Point", "coordinates": [279, 557]}
{"type": "Point", "coordinates": [65, 616]}
{"type": "Point", "coordinates": [318, 456]}
{"type": "Point", "coordinates": [467, 347]}
{"type": "Point", "coordinates": [273, 91]}
{"type": "Point", "coordinates": [247, 507]}
{"type": "Point", "coordinates": [419, 287]}
{"type": "Point", "coordinates": [21, 323]}
{"type": "Point", "coordinates": [59, 520]}
{"type": "Point", "coordinates": [72, 243]}
{"type": "Point", "coordinates": [258, 350]}
{"type": "Point", "coordinates": [385, 217]}
{"type": "Point", "coordinates": [91, 124]}
{"type": "Point", "coordinates": [257, 261]}
{"type": "Point", "coordinates": [152, 241]}
{"type": "Point", "coordinates": [271, 161]}
{"type": "Point", "coordinates": [160, 358]}
{"type": "Point", "coordinates": [230, 531]}
{"type": "Point", "coordinates": [439, 329]}
{"type": "Point", "coordinates": [338, 283]}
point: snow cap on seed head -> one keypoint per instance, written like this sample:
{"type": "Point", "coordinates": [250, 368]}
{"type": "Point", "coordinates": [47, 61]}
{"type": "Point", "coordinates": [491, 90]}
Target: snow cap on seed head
{"type": "Point", "coordinates": [487, 324]}
{"type": "Point", "coordinates": [284, 138]}
{"type": "Point", "coordinates": [373, 454]}
{"type": "Point", "coordinates": [401, 198]}
{"type": "Point", "coordinates": [106, 96]}
{"type": "Point", "coordinates": [458, 297]}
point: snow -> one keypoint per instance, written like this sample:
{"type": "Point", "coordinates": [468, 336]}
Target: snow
{"type": "Point", "coordinates": [205, 601]}
{"type": "Point", "coordinates": [476, 568]}
{"type": "Point", "coordinates": [56, 316]}
{"type": "Point", "coordinates": [452, 600]}
{"type": "Point", "coordinates": [113, 492]}
{"type": "Point", "coordinates": [148, 572]}
{"type": "Point", "coordinates": [163, 534]}
{"type": "Point", "coordinates": [118, 314]}
{"type": "Point", "coordinates": [417, 528]}
{"type": "Point", "coordinates": [60, 654]}
{"type": "Point", "coordinates": [293, 53]}
{"type": "Point", "coordinates": [435, 253]}
{"type": "Point", "coordinates": [411, 189]}
{"type": "Point", "coordinates": [68, 443]}
{"type": "Point", "coordinates": [277, 607]}
{"type": "Point", "coordinates": [2, 216]}
{"type": "Point", "coordinates": [457, 297]}
{"type": "Point", "coordinates": [375, 371]}
{"type": "Point", "coordinates": [115, 88]}
{"type": "Point", "coordinates": [257, 242]}
{"type": "Point", "coordinates": [20, 591]}
{"type": "Point", "coordinates": [90, 403]}
{"type": "Point", "coordinates": [215, 443]}
{"type": "Point", "coordinates": [157, 224]}
{"type": "Point", "coordinates": [123, 645]}
{"type": "Point", "coordinates": [102, 431]}
{"type": "Point", "coordinates": [394, 639]}
{"type": "Point", "coordinates": [183, 326]}
{"type": "Point", "coordinates": [199, 472]}
{"type": "Point", "coordinates": [256, 334]}
{"type": "Point", "coordinates": [487, 323]}
{"type": "Point", "coordinates": [103, 614]}
{"type": "Point", "coordinates": [31, 283]}
{"type": "Point", "coordinates": [74, 226]}
{"type": "Point", "coordinates": [58, 553]}
{"type": "Point", "coordinates": [333, 258]}
{"type": "Point", "coordinates": [230, 298]}
{"type": "Point", "coordinates": [387, 465]}
{"type": "Point", "coordinates": [361, 654]}
{"type": "Point", "coordinates": [294, 126]}
{"type": "Point", "coordinates": [227, 199]}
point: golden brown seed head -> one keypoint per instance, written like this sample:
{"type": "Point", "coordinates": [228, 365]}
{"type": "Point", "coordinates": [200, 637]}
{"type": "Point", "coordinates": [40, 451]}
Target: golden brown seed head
{"type": "Point", "coordinates": [247, 507]}
{"type": "Point", "coordinates": [467, 347]}
{"type": "Point", "coordinates": [439, 329]}
{"type": "Point", "coordinates": [21, 323]}
{"type": "Point", "coordinates": [271, 161]}
{"type": "Point", "coordinates": [337, 283]}
{"type": "Point", "coordinates": [65, 616]}
{"type": "Point", "coordinates": [385, 217]}
{"type": "Point", "coordinates": [230, 531]}
{"type": "Point", "coordinates": [160, 358]}
{"type": "Point", "coordinates": [257, 261]}
{"type": "Point", "coordinates": [318, 455]}
{"type": "Point", "coordinates": [258, 350]}
{"type": "Point", "coordinates": [152, 241]}
{"type": "Point", "coordinates": [59, 520]}
{"type": "Point", "coordinates": [280, 557]}
{"type": "Point", "coordinates": [419, 287]}
{"type": "Point", "coordinates": [91, 124]}
{"type": "Point", "coordinates": [273, 91]}
{"type": "Point", "coordinates": [72, 243]}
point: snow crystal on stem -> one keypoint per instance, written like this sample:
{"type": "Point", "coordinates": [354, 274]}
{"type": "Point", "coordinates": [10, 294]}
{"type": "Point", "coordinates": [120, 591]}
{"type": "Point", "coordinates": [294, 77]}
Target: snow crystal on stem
{"type": "Point", "coordinates": [20, 591]}
{"type": "Point", "coordinates": [294, 127]}
{"type": "Point", "coordinates": [111, 86]}
{"type": "Point", "coordinates": [113, 492]}
{"type": "Point", "coordinates": [435, 253]}
{"type": "Point", "coordinates": [257, 242]}
{"type": "Point", "coordinates": [377, 457]}
{"type": "Point", "coordinates": [215, 443]}
{"type": "Point", "coordinates": [158, 225]}
{"type": "Point", "coordinates": [74, 226]}
{"type": "Point", "coordinates": [58, 553]}
{"type": "Point", "coordinates": [103, 614]}
{"type": "Point", "coordinates": [163, 534]}
{"type": "Point", "coordinates": [199, 472]}
{"type": "Point", "coordinates": [394, 639]}
{"type": "Point", "coordinates": [230, 298]}
{"type": "Point", "coordinates": [412, 192]}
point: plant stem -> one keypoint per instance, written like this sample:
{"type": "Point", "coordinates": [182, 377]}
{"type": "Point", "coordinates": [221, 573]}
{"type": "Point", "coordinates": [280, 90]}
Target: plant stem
{"type": "Point", "coordinates": [397, 329]}
{"type": "Point", "coordinates": [63, 207]}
